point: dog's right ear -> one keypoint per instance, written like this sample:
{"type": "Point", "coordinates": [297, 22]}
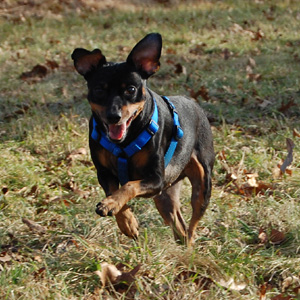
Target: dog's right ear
{"type": "Point", "coordinates": [85, 61]}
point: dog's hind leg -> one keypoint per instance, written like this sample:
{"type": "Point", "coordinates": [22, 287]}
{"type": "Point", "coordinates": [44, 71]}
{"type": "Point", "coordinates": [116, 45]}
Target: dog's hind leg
{"type": "Point", "coordinates": [168, 205]}
{"type": "Point", "coordinates": [200, 178]}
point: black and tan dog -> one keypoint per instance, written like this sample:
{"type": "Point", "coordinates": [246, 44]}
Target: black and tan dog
{"type": "Point", "coordinates": [144, 142]}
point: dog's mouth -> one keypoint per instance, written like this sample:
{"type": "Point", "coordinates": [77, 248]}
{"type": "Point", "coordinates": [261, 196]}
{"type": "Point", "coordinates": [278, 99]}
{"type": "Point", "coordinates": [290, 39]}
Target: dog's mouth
{"type": "Point", "coordinates": [117, 132]}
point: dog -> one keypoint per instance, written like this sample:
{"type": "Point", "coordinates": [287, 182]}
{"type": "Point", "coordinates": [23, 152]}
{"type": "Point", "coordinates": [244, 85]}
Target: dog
{"type": "Point", "coordinates": [143, 144]}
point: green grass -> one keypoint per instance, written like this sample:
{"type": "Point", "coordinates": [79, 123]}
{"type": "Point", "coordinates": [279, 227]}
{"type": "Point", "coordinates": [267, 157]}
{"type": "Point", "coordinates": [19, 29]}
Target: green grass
{"type": "Point", "coordinates": [43, 121]}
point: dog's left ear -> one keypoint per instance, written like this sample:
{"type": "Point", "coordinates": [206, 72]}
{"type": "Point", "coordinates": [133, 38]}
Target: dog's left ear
{"type": "Point", "coordinates": [86, 61]}
{"type": "Point", "coordinates": [146, 54]}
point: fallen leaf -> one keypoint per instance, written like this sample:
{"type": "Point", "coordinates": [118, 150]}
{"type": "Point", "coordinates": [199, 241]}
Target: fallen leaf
{"type": "Point", "coordinates": [262, 292]}
{"type": "Point", "coordinates": [200, 281]}
{"type": "Point", "coordinates": [262, 235]}
{"type": "Point", "coordinates": [232, 285]}
{"type": "Point", "coordinates": [252, 179]}
{"type": "Point", "coordinates": [5, 257]}
{"type": "Point", "coordinates": [203, 92]}
{"type": "Point", "coordinates": [277, 237]}
{"type": "Point", "coordinates": [296, 133]}
{"type": "Point", "coordinates": [251, 62]}
{"type": "Point", "coordinates": [289, 159]}
{"type": "Point", "coordinates": [285, 106]}
{"type": "Point", "coordinates": [38, 71]}
{"type": "Point", "coordinates": [111, 274]}
{"type": "Point", "coordinates": [52, 64]}
{"type": "Point", "coordinates": [257, 35]}
{"type": "Point", "coordinates": [40, 273]}
{"type": "Point", "coordinates": [77, 154]}
{"type": "Point", "coordinates": [35, 227]}
{"type": "Point", "coordinates": [254, 77]}
{"type": "Point", "coordinates": [287, 282]}
{"type": "Point", "coordinates": [179, 68]}
{"type": "Point", "coordinates": [4, 190]}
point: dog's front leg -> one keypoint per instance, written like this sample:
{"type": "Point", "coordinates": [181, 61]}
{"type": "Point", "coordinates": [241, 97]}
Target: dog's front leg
{"type": "Point", "coordinates": [112, 205]}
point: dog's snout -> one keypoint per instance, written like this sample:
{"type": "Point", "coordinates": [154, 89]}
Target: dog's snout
{"type": "Point", "coordinates": [113, 117]}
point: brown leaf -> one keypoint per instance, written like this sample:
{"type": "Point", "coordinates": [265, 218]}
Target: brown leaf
{"type": "Point", "coordinates": [258, 35]}
{"type": "Point", "coordinates": [254, 77]}
{"type": "Point", "coordinates": [35, 227]}
{"type": "Point", "coordinates": [289, 159]}
{"type": "Point", "coordinates": [296, 133]}
{"type": "Point", "coordinates": [5, 257]}
{"type": "Point", "coordinates": [38, 71]}
{"type": "Point", "coordinates": [203, 92]}
{"type": "Point", "coordinates": [40, 273]}
{"type": "Point", "coordinates": [5, 190]}
{"type": "Point", "coordinates": [179, 68]}
{"type": "Point", "coordinates": [277, 237]}
{"type": "Point", "coordinates": [110, 273]}
{"type": "Point", "coordinates": [200, 281]}
{"type": "Point", "coordinates": [52, 64]}
{"type": "Point", "coordinates": [262, 292]}
{"type": "Point", "coordinates": [285, 106]}
{"type": "Point", "coordinates": [198, 49]}
{"type": "Point", "coordinates": [77, 154]}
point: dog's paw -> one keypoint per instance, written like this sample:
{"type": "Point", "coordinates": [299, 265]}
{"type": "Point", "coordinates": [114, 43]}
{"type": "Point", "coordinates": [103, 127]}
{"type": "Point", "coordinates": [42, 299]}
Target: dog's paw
{"type": "Point", "coordinates": [108, 207]}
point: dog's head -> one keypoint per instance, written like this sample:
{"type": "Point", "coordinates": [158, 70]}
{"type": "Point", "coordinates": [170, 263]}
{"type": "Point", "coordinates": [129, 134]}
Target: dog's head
{"type": "Point", "coordinates": [117, 91]}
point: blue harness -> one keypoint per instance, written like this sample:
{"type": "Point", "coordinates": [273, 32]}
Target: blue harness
{"type": "Point", "coordinates": [124, 153]}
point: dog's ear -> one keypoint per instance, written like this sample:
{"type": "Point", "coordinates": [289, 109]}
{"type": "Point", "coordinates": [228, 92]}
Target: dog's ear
{"type": "Point", "coordinates": [146, 54]}
{"type": "Point", "coordinates": [85, 61]}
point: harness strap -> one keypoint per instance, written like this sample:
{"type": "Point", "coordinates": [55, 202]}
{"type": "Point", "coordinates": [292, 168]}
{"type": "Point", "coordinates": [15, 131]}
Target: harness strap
{"type": "Point", "coordinates": [135, 146]}
{"type": "Point", "coordinates": [177, 132]}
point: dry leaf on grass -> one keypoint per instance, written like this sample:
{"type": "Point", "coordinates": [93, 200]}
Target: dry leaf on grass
{"type": "Point", "coordinates": [289, 281]}
{"type": "Point", "coordinates": [296, 133]}
{"type": "Point", "coordinates": [277, 237]}
{"type": "Point", "coordinates": [5, 257]}
{"type": "Point", "coordinates": [232, 285]}
{"type": "Point", "coordinates": [77, 154]}
{"type": "Point", "coordinates": [35, 227]}
{"type": "Point", "coordinates": [200, 281]}
{"type": "Point", "coordinates": [262, 292]}
{"type": "Point", "coordinates": [111, 274]}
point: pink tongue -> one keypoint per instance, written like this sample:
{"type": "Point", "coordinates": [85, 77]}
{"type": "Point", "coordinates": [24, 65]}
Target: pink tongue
{"type": "Point", "coordinates": [116, 132]}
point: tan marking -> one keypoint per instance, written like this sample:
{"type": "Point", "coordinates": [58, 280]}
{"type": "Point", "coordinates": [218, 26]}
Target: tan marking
{"type": "Point", "coordinates": [141, 158]}
{"type": "Point", "coordinates": [130, 109]}
{"type": "Point", "coordinates": [196, 174]}
{"type": "Point", "coordinates": [107, 159]}
{"type": "Point", "coordinates": [98, 109]}
{"type": "Point", "coordinates": [119, 198]}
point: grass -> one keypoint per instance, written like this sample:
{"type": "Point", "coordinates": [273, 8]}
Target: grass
{"type": "Point", "coordinates": [252, 111]}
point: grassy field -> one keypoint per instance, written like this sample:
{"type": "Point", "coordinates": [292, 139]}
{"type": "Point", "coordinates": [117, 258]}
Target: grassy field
{"type": "Point", "coordinates": [241, 61]}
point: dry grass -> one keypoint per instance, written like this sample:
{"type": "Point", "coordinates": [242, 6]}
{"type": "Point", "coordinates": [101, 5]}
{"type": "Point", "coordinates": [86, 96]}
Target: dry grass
{"type": "Point", "coordinates": [240, 60]}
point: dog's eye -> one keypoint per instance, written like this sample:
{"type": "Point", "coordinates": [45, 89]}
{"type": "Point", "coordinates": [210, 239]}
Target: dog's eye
{"type": "Point", "coordinates": [130, 90]}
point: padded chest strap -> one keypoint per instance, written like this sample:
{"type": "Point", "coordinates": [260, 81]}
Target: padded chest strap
{"type": "Point", "coordinates": [124, 153]}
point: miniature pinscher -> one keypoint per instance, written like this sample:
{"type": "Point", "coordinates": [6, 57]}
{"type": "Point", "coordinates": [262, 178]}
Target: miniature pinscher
{"type": "Point", "coordinates": [143, 144]}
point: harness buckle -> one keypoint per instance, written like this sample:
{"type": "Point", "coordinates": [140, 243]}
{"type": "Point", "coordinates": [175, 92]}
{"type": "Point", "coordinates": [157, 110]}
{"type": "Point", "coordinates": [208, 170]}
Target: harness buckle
{"type": "Point", "coordinates": [178, 133]}
{"type": "Point", "coordinates": [152, 127]}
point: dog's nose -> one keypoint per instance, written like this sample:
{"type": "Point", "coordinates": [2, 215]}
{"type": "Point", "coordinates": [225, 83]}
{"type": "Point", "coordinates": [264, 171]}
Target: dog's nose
{"type": "Point", "coordinates": [113, 117]}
